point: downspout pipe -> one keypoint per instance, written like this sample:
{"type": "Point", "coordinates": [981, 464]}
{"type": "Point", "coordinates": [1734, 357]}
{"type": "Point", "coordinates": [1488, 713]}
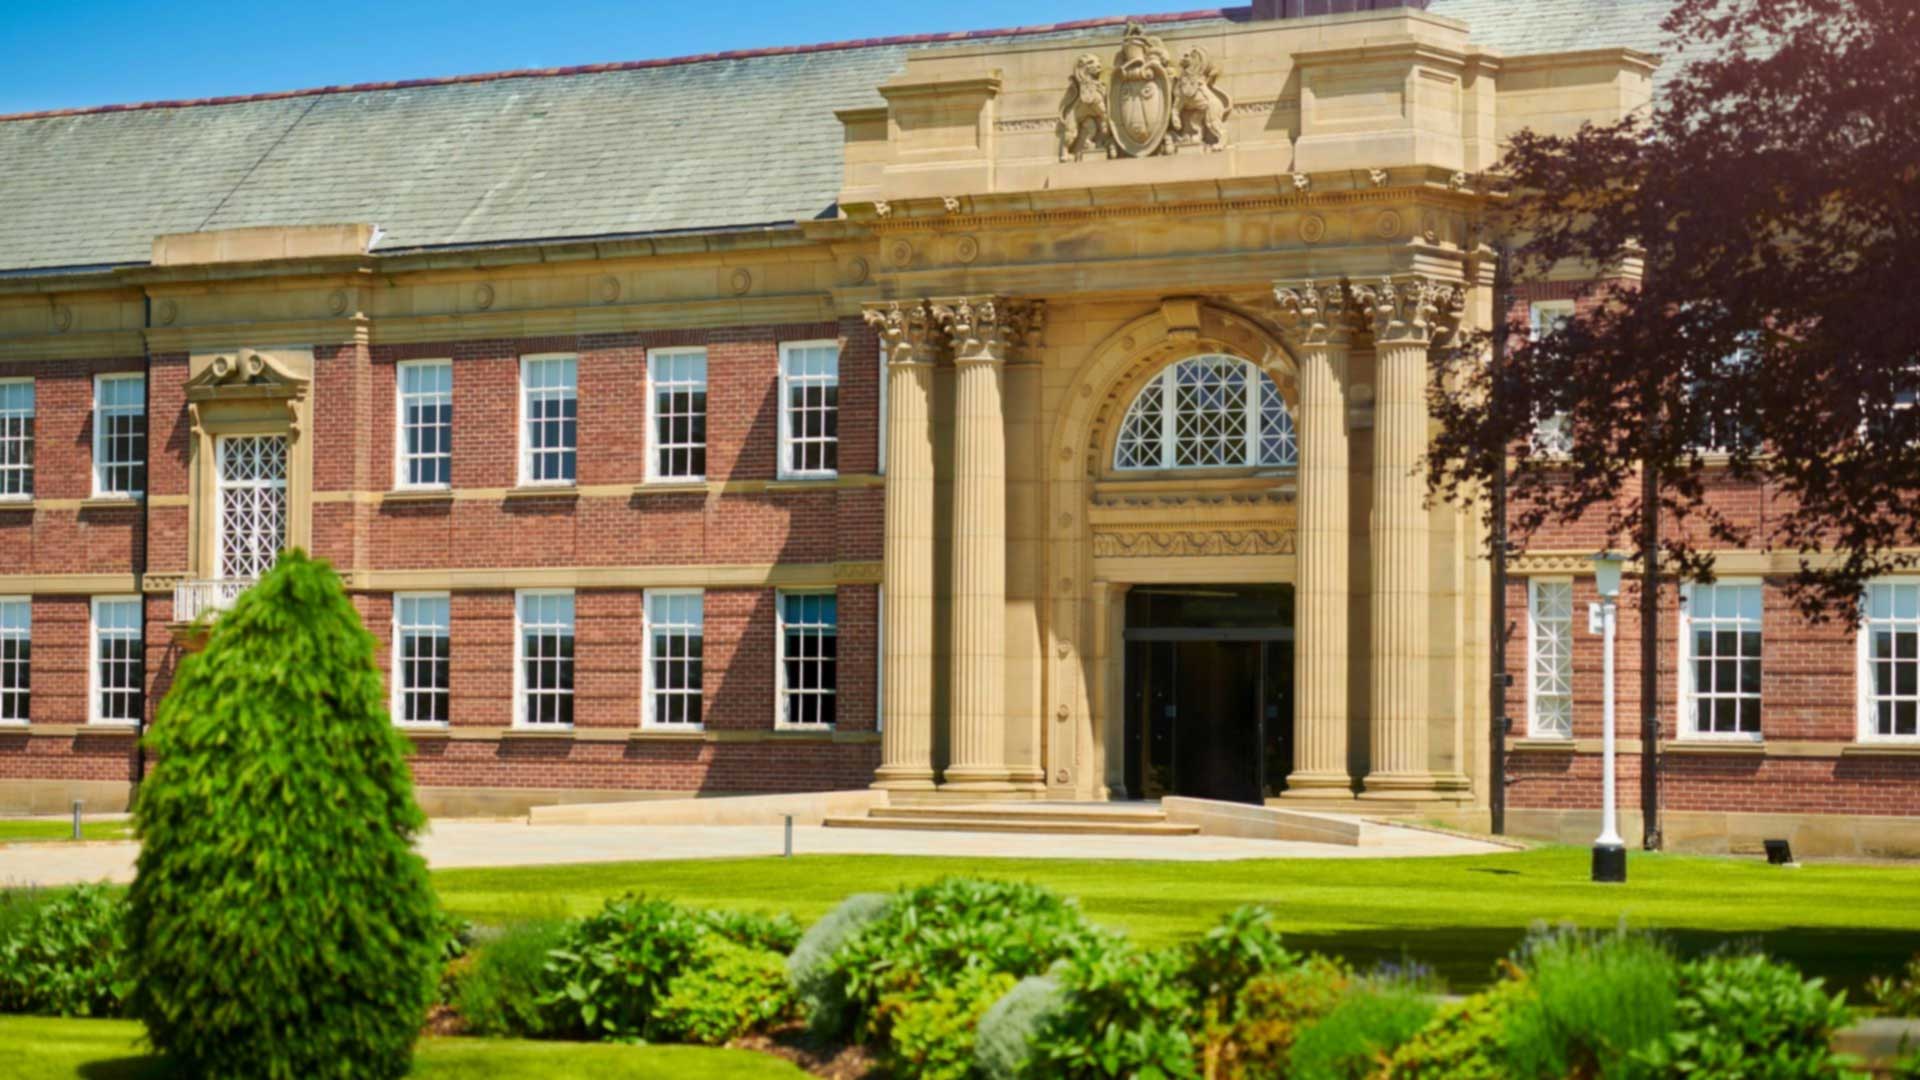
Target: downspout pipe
{"type": "Point", "coordinates": [1498, 679]}
{"type": "Point", "coordinates": [139, 763]}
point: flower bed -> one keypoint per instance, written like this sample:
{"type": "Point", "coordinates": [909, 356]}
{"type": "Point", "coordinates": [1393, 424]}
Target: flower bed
{"type": "Point", "coordinates": [988, 979]}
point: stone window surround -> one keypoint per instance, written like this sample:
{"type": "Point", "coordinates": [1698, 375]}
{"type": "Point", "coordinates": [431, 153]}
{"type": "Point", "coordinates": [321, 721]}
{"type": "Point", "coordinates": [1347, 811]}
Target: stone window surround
{"type": "Point", "coordinates": [247, 391]}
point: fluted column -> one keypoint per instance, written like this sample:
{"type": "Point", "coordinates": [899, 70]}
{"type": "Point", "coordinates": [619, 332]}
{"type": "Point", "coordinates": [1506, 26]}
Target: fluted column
{"type": "Point", "coordinates": [1318, 319]}
{"type": "Point", "coordinates": [979, 331]}
{"type": "Point", "coordinates": [1406, 315]}
{"type": "Point", "coordinates": [907, 337]}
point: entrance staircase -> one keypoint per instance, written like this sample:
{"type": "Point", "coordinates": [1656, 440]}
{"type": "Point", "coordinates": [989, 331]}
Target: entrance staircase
{"type": "Point", "coordinates": [1073, 819]}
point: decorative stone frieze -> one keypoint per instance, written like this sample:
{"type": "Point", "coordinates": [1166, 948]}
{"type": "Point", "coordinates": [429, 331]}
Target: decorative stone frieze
{"type": "Point", "coordinates": [1130, 545]}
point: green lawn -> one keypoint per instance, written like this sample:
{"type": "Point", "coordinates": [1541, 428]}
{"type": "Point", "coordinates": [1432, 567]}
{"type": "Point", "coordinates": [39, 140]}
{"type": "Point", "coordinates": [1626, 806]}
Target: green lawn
{"type": "Point", "coordinates": [1457, 914]}
{"type": "Point", "coordinates": [19, 830]}
{"type": "Point", "coordinates": [43, 1048]}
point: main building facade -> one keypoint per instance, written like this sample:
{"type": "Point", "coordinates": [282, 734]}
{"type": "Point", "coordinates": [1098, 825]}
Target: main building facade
{"type": "Point", "coordinates": [1027, 415]}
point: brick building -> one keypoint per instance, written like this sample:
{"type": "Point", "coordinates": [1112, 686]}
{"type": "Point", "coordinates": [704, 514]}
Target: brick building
{"type": "Point", "coordinates": [1011, 414]}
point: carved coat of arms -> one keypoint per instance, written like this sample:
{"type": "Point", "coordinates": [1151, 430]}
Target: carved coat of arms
{"type": "Point", "coordinates": [1142, 93]}
{"type": "Point", "coordinates": [1146, 107]}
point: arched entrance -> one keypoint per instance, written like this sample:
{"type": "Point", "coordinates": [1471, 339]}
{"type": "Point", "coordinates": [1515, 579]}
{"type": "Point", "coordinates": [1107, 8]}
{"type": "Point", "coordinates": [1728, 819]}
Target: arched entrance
{"type": "Point", "coordinates": [1171, 557]}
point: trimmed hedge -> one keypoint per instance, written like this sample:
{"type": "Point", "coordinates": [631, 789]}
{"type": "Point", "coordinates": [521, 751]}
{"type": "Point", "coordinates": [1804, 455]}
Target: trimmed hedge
{"type": "Point", "coordinates": [281, 924]}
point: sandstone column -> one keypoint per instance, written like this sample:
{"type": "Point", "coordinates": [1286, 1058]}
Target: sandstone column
{"type": "Point", "coordinates": [907, 339]}
{"type": "Point", "coordinates": [1405, 314]}
{"type": "Point", "coordinates": [979, 330]}
{"type": "Point", "coordinates": [1318, 320]}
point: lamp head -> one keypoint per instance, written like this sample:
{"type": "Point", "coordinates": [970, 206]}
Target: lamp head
{"type": "Point", "coordinates": [1606, 573]}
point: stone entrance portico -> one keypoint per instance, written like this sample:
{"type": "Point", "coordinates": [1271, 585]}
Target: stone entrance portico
{"type": "Point", "coordinates": [1322, 227]}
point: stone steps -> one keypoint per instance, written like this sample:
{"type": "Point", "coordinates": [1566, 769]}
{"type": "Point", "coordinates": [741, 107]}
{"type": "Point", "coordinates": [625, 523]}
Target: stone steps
{"type": "Point", "coordinates": [1069, 820]}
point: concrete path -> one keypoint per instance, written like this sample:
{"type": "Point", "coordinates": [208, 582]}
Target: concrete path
{"type": "Point", "coordinates": [452, 843]}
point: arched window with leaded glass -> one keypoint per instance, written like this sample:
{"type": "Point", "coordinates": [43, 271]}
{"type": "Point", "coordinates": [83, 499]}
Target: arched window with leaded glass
{"type": "Point", "coordinates": [1208, 412]}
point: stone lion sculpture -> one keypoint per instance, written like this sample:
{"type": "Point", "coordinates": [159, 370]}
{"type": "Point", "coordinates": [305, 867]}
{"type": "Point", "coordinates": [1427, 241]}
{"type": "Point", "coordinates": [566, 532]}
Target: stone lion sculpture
{"type": "Point", "coordinates": [1084, 123]}
{"type": "Point", "coordinates": [1199, 105]}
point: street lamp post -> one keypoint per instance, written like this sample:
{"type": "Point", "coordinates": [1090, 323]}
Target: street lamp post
{"type": "Point", "coordinates": [1609, 852]}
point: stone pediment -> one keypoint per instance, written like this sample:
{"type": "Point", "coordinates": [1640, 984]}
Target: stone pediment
{"type": "Point", "coordinates": [249, 374]}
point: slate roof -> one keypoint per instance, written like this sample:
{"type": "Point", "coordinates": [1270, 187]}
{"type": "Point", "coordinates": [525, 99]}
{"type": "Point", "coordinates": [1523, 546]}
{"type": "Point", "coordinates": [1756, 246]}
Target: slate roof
{"type": "Point", "coordinates": [705, 143]}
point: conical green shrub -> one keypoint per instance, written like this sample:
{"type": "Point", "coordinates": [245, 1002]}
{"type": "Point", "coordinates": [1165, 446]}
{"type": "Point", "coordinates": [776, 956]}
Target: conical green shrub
{"type": "Point", "coordinates": [281, 924]}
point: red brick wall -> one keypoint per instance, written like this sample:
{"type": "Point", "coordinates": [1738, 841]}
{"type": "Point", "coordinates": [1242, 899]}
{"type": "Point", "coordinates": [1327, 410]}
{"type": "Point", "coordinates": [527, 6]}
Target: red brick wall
{"type": "Point", "coordinates": [67, 541]}
{"type": "Point", "coordinates": [353, 433]}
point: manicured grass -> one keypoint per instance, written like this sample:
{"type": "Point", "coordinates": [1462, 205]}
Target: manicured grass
{"type": "Point", "coordinates": [22, 830]}
{"type": "Point", "coordinates": [1459, 915]}
{"type": "Point", "coordinates": [44, 1048]}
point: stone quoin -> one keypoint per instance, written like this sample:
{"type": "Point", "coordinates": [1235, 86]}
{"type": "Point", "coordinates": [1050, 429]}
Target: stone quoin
{"type": "Point", "coordinates": [1024, 414]}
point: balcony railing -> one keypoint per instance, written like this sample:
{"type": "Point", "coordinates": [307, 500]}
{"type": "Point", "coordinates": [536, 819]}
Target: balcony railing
{"type": "Point", "coordinates": [192, 599]}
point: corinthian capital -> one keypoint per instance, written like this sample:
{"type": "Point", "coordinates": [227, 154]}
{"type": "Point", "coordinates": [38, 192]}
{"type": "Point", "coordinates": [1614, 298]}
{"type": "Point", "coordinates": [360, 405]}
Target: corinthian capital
{"type": "Point", "coordinates": [988, 328]}
{"type": "Point", "coordinates": [1315, 312]}
{"type": "Point", "coordinates": [1411, 309]}
{"type": "Point", "coordinates": [907, 331]}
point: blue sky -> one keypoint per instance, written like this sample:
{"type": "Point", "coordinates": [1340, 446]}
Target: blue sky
{"type": "Point", "coordinates": [72, 53]}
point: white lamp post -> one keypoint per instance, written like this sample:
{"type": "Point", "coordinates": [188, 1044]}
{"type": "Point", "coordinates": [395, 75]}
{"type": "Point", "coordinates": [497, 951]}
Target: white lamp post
{"type": "Point", "coordinates": [1609, 852]}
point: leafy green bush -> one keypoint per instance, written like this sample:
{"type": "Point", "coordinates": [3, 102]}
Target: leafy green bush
{"type": "Point", "coordinates": [1897, 995]}
{"type": "Point", "coordinates": [1006, 1031]}
{"type": "Point", "coordinates": [61, 952]}
{"type": "Point", "coordinates": [1360, 1033]}
{"type": "Point", "coordinates": [927, 937]}
{"type": "Point", "coordinates": [1243, 944]}
{"type": "Point", "coordinates": [726, 990]}
{"type": "Point", "coordinates": [1749, 1018]}
{"type": "Point", "coordinates": [931, 1037]}
{"type": "Point", "coordinates": [499, 992]}
{"type": "Point", "coordinates": [756, 930]}
{"type": "Point", "coordinates": [1268, 1014]}
{"type": "Point", "coordinates": [610, 968]}
{"type": "Point", "coordinates": [1467, 1040]}
{"type": "Point", "coordinates": [281, 924]}
{"type": "Point", "coordinates": [1125, 1013]}
{"type": "Point", "coordinates": [810, 967]}
{"type": "Point", "coordinates": [1596, 997]}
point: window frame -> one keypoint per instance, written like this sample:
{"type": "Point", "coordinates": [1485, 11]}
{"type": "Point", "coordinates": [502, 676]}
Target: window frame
{"type": "Point", "coordinates": [28, 439]}
{"type": "Point", "coordinates": [26, 666]}
{"type": "Point", "coordinates": [1534, 730]}
{"type": "Point", "coordinates": [1687, 694]}
{"type": "Point", "coordinates": [1867, 722]}
{"type": "Point", "coordinates": [1165, 384]}
{"type": "Point", "coordinates": [399, 686]}
{"type": "Point", "coordinates": [520, 689]}
{"type": "Point", "coordinates": [95, 690]}
{"type": "Point", "coordinates": [648, 691]}
{"type": "Point", "coordinates": [222, 485]}
{"type": "Point", "coordinates": [781, 693]}
{"type": "Point", "coordinates": [402, 456]}
{"type": "Point", "coordinates": [525, 477]}
{"type": "Point", "coordinates": [654, 446]}
{"type": "Point", "coordinates": [1545, 318]}
{"type": "Point", "coordinates": [783, 467]}
{"type": "Point", "coordinates": [100, 464]}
